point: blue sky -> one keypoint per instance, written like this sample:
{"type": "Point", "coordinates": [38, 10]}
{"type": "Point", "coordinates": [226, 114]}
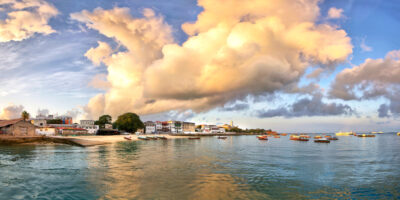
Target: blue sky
{"type": "Point", "coordinates": [51, 71]}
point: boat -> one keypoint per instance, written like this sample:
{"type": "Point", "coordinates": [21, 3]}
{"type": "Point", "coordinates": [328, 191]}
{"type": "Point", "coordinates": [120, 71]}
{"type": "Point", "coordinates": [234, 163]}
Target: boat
{"type": "Point", "coordinates": [305, 136]}
{"type": "Point", "coordinates": [128, 138]}
{"type": "Point", "coordinates": [284, 134]}
{"type": "Point", "coordinates": [305, 139]}
{"type": "Point", "coordinates": [194, 138]}
{"type": "Point", "coordinates": [143, 138]}
{"type": "Point", "coordinates": [152, 137]}
{"type": "Point", "coordinates": [222, 137]}
{"type": "Point", "coordinates": [333, 138]}
{"type": "Point", "coordinates": [322, 140]}
{"type": "Point", "coordinates": [294, 137]}
{"type": "Point", "coordinates": [327, 136]}
{"type": "Point", "coordinates": [317, 137]}
{"type": "Point", "coordinates": [398, 133]}
{"type": "Point", "coordinates": [344, 133]}
{"type": "Point", "coordinates": [365, 135]}
{"type": "Point", "coordinates": [162, 137]}
{"type": "Point", "coordinates": [380, 132]}
{"type": "Point", "coordinates": [264, 137]}
{"type": "Point", "coordinates": [277, 136]}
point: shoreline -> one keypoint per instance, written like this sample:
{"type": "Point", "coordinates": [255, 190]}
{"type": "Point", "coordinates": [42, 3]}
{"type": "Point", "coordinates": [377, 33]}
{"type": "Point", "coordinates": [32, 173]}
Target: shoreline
{"type": "Point", "coordinates": [94, 140]}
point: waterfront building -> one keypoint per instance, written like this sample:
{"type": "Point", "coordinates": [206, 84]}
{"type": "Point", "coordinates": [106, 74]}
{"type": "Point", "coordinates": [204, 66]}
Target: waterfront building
{"type": "Point", "coordinates": [150, 127]}
{"type": "Point", "coordinates": [89, 126]}
{"type": "Point", "coordinates": [188, 127]}
{"type": "Point", "coordinates": [17, 127]}
{"type": "Point", "coordinates": [165, 127]}
{"type": "Point", "coordinates": [48, 131]}
{"type": "Point", "coordinates": [159, 126]}
{"type": "Point", "coordinates": [175, 126]}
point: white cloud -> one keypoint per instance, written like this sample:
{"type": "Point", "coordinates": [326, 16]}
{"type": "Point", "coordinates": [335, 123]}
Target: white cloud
{"type": "Point", "coordinates": [364, 46]}
{"type": "Point", "coordinates": [25, 18]}
{"type": "Point", "coordinates": [335, 13]}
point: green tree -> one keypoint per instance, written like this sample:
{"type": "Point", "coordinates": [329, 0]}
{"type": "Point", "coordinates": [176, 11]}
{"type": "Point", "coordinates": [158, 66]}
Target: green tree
{"type": "Point", "coordinates": [236, 129]}
{"type": "Point", "coordinates": [25, 115]}
{"type": "Point", "coordinates": [104, 119]}
{"type": "Point", "coordinates": [128, 122]}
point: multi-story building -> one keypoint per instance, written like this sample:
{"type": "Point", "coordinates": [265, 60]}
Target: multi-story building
{"type": "Point", "coordinates": [175, 126]}
{"type": "Point", "coordinates": [188, 127]}
{"type": "Point", "coordinates": [159, 126]}
{"type": "Point", "coordinates": [39, 122]}
{"type": "Point", "coordinates": [150, 127]}
{"type": "Point", "coordinates": [89, 126]}
{"type": "Point", "coordinates": [165, 127]}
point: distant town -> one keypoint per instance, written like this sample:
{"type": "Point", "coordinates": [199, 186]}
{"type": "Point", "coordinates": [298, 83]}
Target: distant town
{"type": "Point", "coordinates": [128, 123]}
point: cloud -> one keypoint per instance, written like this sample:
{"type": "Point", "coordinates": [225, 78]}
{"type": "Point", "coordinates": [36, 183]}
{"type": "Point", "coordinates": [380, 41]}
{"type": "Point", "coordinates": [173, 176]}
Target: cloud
{"type": "Point", "coordinates": [308, 107]}
{"type": "Point", "coordinates": [335, 13]}
{"type": "Point", "coordinates": [11, 112]}
{"type": "Point", "coordinates": [383, 111]}
{"type": "Point", "coordinates": [372, 79]}
{"type": "Point", "coordinates": [25, 18]}
{"type": "Point", "coordinates": [364, 47]}
{"type": "Point", "coordinates": [43, 112]}
{"type": "Point", "coordinates": [257, 48]}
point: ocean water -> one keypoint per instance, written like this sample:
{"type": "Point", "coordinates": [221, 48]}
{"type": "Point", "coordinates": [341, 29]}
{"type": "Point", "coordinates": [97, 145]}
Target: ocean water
{"type": "Point", "coordinates": [239, 167]}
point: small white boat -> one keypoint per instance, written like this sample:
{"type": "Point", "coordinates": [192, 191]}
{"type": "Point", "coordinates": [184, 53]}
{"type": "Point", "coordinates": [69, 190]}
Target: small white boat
{"type": "Point", "coordinates": [128, 138]}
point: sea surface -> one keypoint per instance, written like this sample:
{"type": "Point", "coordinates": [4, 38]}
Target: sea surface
{"type": "Point", "coordinates": [240, 167]}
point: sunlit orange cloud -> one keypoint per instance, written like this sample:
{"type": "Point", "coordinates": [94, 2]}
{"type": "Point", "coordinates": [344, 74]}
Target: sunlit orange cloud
{"type": "Point", "coordinates": [234, 49]}
{"type": "Point", "coordinates": [26, 18]}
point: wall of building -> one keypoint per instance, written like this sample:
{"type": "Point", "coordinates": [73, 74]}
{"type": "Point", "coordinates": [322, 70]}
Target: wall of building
{"type": "Point", "coordinates": [22, 128]}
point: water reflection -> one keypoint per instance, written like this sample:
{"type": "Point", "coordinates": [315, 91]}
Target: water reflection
{"type": "Point", "coordinates": [236, 168]}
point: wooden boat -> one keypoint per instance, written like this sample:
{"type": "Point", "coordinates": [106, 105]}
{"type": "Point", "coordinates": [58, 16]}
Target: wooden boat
{"type": "Point", "coordinates": [398, 133]}
{"type": "Point", "coordinates": [277, 136]}
{"type": "Point", "coordinates": [333, 138]}
{"type": "Point", "coordinates": [344, 133]}
{"type": "Point", "coordinates": [128, 138]}
{"type": "Point", "coordinates": [194, 138]}
{"type": "Point", "coordinates": [303, 139]}
{"type": "Point", "coordinates": [162, 137]}
{"type": "Point", "coordinates": [264, 137]}
{"type": "Point", "coordinates": [327, 136]}
{"type": "Point", "coordinates": [305, 136]}
{"type": "Point", "coordinates": [284, 134]}
{"type": "Point", "coordinates": [143, 138]}
{"type": "Point", "coordinates": [317, 137]}
{"type": "Point", "coordinates": [294, 137]}
{"type": "Point", "coordinates": [365, 135]}
{"type": "Point", "coordinates": [222, 137]}
{"type": "Point", "coordinates": [322, 140]}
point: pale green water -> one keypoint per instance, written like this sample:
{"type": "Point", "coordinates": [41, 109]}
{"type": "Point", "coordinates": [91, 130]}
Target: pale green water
{"type": "Point", "coordinates": [240, 167]}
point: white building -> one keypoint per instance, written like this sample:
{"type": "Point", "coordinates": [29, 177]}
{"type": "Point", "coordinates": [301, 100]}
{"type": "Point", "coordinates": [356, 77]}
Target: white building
{"type": "Point", "coordinates": [89, 126]}
{"type": "Point", "coordinates": [39, 122]}
{"type": "Point", "coordinates": [150, 127]}
{"type": "Point", "coordinates": [46, 131]}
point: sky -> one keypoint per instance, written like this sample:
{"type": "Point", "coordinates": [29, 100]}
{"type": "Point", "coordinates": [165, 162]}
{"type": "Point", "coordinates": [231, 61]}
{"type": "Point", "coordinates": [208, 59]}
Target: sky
{"type": "Point", "coordinates": [288, 65]}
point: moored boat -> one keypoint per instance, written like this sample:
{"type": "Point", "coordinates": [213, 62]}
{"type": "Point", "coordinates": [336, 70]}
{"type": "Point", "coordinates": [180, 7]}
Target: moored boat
{"type": "Point", "coordinates": [398, 133]}
{"type": "Point", "coordinates": [305, 139]}
{"type": "Point", "coordinates": [284, 134]}
{"type": "Point", "coordinates": [264, 137]}
{"type": "Point", "coordinates": [194, 138]}
{"type": "Point", "coordinates": [333, 138]}
{"type": "Point", "coordinates": [374, 132]}
{"type": "Point", "coordinates": [277, 136]}
{"type": "Point", "coordinates": [143, 138]}
{"type": "Point", "coordinates": [365, 135]}
{"type": "Point", "coordinates": [344, 133]}
{"type": "Point", "coordinates": [305, 136]}
{"type": "Point", "coordinates": [152, 137]}
{"type": "Point", "coordinates": [162, 137]}
{"type": "Point", "coordinates": [294, 137]}
{"type": "Point", "coordinates": [222, 137]}
{"type": "Point", "coordinates": [327, 136]}
{"type": "Point", "coordinates": [317, 137]}
{"type": "Point", "coordinates": [128, 138]}
{"type": "Point", "coordinates": [322, 140]}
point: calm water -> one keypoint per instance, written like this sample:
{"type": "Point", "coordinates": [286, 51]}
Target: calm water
{"type": "Point", "coordinates": [240, 167]}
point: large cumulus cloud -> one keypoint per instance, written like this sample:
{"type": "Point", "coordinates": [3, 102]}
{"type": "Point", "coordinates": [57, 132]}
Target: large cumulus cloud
{"type": "Point", "coordinates": [235, 48]}
{"type": "Point", "coordinates": [25, 18]}
{"type": "Point", "coordinates": [372, 79]}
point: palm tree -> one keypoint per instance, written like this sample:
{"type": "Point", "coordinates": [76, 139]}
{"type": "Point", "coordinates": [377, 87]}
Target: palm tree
{"type": "Point", "coordinates": [25, 115]}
